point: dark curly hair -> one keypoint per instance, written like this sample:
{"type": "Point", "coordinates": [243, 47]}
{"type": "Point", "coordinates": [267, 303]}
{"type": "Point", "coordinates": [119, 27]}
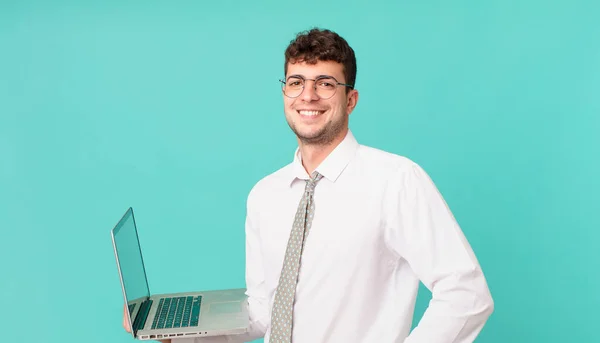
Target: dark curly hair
{"type": "Point", "coordinates": [322, 45]}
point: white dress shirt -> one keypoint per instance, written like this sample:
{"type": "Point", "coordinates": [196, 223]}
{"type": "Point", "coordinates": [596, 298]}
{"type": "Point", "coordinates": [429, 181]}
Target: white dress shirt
{"type": "Point", "coordinates": [380, 226]}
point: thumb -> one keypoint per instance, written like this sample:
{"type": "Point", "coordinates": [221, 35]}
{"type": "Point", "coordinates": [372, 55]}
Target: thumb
{"type": "Point", "coordinates": [125, 321]}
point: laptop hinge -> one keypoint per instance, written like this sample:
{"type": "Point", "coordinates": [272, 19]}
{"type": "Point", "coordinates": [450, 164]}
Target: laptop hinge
{"type": "Point", "coordinates": [142, 316]}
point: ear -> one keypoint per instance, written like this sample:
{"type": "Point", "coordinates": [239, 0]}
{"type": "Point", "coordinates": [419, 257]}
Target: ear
{"type": "Point", "coordinates": [351, 100]}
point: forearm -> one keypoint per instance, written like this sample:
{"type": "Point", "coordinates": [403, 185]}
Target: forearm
{"type": "Point", "coordinates": [457, 312]}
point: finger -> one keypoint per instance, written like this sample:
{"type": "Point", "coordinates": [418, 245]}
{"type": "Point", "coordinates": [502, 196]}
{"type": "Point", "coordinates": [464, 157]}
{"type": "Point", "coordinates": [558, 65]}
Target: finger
{"type": "Point", "coordinates": [125, 322]}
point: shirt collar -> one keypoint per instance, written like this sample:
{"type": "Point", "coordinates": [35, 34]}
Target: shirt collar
{"type": "Point", "coordinates": [334, 163]}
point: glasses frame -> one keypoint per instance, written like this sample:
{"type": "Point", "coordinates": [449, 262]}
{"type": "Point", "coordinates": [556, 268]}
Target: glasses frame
{"type": "Point", "coordinates": [321, 77]}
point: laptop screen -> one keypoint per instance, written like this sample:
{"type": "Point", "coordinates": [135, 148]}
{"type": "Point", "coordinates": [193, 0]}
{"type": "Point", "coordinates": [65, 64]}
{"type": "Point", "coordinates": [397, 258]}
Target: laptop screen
{"type": "Point", "coordinates": [130, 260]}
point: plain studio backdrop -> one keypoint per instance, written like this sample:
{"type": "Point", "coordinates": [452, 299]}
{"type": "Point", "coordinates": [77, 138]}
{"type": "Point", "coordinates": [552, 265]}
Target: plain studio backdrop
{"type": "Point", "coordinates": [175, 108]}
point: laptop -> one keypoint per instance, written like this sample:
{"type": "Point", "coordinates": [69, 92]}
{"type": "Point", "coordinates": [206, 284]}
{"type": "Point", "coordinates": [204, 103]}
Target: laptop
{"type": "Point", "coordinates": [158, 316]}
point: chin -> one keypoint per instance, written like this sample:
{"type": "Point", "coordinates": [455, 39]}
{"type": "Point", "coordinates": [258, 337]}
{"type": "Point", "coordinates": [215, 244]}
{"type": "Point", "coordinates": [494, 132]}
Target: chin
{"type": "Point", "coordinates": [319, 137]}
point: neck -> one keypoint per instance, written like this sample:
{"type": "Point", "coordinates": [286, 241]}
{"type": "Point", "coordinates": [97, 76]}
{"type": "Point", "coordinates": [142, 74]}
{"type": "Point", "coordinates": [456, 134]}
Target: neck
{"type": "Point", "coordinates": [314, 154]}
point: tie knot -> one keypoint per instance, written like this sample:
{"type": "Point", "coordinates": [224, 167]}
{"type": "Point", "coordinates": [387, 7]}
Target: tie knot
{"type": "Point", "coordinates": [312, 182]}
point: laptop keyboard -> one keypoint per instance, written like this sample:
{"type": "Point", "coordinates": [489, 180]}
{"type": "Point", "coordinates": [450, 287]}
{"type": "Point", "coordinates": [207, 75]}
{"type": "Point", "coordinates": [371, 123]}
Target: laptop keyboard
{"type": "Point", "coordinates": [177, 312]}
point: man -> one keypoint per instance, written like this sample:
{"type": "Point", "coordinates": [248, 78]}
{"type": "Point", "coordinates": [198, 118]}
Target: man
{"type": "Point", "coordinates": [338, 240]}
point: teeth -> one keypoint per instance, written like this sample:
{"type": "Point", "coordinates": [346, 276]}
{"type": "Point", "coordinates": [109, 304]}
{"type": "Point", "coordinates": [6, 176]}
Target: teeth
{"type": "Point", "coordinates": [309, 113]}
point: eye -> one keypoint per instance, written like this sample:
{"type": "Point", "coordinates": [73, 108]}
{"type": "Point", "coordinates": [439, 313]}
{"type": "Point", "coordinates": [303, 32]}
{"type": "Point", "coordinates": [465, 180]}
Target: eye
{"type": "Point", "coordinates": [294, 82]}
{"type": "Point", "coordinates": [326, 83]}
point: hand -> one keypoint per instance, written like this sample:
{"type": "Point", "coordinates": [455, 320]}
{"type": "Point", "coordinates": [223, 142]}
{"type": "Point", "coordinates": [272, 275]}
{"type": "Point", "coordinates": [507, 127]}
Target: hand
{"type": "Point", "coordinates": [128, 328]}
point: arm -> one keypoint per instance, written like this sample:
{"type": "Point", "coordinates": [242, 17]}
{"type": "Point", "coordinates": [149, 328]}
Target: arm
{"type": "Point", "coordinates": [425, 233]}
{"type": "Point", "coordinates": [258, 304]}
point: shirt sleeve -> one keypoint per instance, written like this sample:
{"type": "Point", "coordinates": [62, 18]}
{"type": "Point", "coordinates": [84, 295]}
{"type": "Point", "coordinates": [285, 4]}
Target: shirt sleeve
{"type": "Point", "coordinates": [255, 285]}
{"type": "Point", "coordinates": [423, 232]}
{"type": "Point", "coordinates": [258, 303]}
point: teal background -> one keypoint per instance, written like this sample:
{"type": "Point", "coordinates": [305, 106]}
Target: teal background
{"type": "Point", "coordinates": [175, 109]}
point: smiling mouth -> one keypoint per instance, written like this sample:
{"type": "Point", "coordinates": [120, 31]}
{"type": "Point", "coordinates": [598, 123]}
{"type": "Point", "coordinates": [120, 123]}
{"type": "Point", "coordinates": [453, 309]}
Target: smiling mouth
{"type": "Point", "coordinates": [310, 113]}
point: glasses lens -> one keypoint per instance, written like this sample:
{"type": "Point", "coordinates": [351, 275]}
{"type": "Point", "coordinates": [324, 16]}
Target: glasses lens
{"type": "Point", "coordinates": [326, 87]}
{"type": "Point", "coordinates": [293, 86]}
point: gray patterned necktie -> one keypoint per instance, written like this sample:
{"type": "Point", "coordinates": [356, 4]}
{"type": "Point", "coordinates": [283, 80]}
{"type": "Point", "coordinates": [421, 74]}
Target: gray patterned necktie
{"type": "Point", "coordinates": [281, 316]}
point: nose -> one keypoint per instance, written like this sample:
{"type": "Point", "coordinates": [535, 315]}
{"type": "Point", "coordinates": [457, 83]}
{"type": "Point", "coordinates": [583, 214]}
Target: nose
{"type": "Point", "coordinates": [309, 93]}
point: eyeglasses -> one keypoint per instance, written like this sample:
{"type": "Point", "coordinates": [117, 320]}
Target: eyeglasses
{"type": "Point", "coordinates": [325, 86]}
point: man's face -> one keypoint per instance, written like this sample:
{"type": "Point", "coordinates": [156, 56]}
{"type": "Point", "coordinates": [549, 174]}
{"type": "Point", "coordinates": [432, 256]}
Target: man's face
{"type": "Point", "coordinates": [315, 120]}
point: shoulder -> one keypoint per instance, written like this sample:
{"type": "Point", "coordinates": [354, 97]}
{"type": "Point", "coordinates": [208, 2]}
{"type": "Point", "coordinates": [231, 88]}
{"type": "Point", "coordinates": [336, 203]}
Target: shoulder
{"type": "Point", "coordinates": [386, 164]}
{"type": "Point", "coordinates": [266, 186]}
{"type": "Point", "coordinates": [397, 174]}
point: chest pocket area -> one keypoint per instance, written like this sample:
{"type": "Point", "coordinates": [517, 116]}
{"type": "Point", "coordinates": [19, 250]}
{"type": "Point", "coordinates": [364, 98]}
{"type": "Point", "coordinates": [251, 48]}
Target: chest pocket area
{"type": "Point", "coordinates": [341, 234]}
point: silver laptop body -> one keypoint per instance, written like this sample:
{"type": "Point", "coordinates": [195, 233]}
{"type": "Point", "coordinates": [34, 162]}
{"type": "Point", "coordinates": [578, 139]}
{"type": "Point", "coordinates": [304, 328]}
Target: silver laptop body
{"type": "Point", "coordinates": [159, 316]}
